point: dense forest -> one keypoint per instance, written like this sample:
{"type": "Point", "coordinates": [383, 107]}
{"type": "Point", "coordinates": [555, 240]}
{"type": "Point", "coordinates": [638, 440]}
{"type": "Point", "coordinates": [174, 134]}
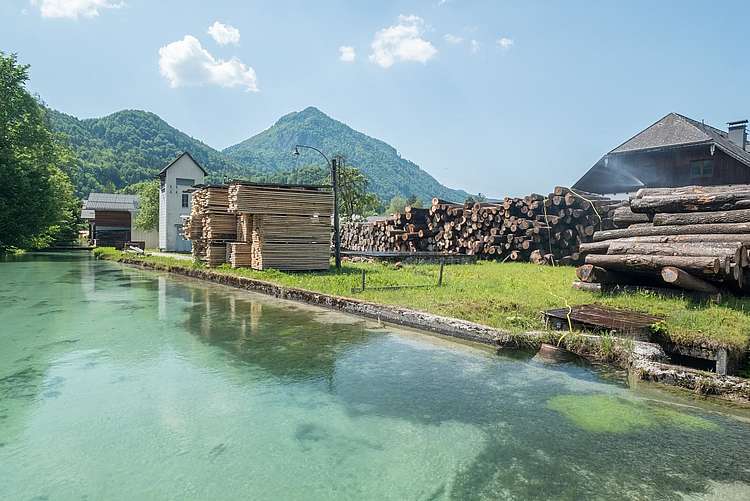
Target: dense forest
{"type": "Point", "coordinates": [131, 146]}
{"type": "Point", "coordinates": [128, 147]}
{"type": "Point", "coordinates": [388, 173]}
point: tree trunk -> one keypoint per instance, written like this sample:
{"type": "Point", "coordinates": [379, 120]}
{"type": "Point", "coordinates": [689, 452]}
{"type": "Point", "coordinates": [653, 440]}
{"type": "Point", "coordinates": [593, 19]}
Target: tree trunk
{"type": "Point", "coordinates": [677, 277]}
{"type": "Point", "coordinates": [705, 265]}
{"type": "Point", "coordinates": [731, 216]}
{"type": "Point", "coordinates": [596, 247]}
{"type": "Point", "coordinates": [732, 251]}
{"type": "Point", "coordinates": [692, 229]}
{"type": "Point", "coordinates": [595, 274]}
{"type": "Point", "coordinates": [624, 217]}
{"type": "Point", "coordinates": [692, 202]}
{"type": "Point", "coordinates": [691, 190]}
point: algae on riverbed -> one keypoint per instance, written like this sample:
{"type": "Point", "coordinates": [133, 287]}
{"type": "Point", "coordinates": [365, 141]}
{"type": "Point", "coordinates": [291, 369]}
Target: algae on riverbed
{"type": "Point", "coordinates": [610, 414]}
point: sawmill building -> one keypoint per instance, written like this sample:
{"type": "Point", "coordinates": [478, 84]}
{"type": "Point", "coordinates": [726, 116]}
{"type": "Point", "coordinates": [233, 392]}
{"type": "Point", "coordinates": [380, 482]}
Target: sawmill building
{"type": "Point", "coordinates": [675, 151]}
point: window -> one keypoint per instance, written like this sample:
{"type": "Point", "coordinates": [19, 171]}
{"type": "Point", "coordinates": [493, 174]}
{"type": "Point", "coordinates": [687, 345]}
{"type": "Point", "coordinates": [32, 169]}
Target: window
{"type": "Point", "coordinates": [702, 168]}
{"type": "Point", "coordinates": [185, 200]}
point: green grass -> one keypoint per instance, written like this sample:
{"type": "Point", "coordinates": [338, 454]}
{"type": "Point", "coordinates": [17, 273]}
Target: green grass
{"type": "Point", "coordinates": [508, 296]}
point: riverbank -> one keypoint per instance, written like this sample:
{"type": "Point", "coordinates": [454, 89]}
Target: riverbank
{"type": "Point", "coordinates": [506, 296]}
{"type": "Point", "coordinates": [647, 361]}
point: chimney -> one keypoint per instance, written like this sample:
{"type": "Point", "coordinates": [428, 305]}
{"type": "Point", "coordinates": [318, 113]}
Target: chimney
{"type": "Point", "coordinates": [738, 133]}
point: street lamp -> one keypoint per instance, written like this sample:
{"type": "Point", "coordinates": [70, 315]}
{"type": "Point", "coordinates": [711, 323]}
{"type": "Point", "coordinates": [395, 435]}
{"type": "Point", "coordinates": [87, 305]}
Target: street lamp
{"type": "Point", "coordinates": [334, 175]}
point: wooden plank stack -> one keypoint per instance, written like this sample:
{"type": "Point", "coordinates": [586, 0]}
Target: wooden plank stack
{"type": "Point", "coordinates": [209, 225]}
{"type": "Point", "coordinates": [239, 254]}
{"type": "Point", "coordinates": [695, 238]}
{"type": "Point", "coordinates": [243, 224]}
{"type": "Point", "coordinates": [261, 199]}
{"type": "Point", "coordinates": [534, 228]}
{"type": "Point", "coordinates": [291, 242]}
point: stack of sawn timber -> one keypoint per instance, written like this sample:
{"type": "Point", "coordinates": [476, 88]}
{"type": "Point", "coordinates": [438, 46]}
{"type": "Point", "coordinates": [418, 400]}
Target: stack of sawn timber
{"type": "Point", "coordinates": [287, 228]}
{"type": "Point", "coordinates": [245, 224]}
{"type": "Point", "coordinates": [695, 238]}
{"type": "Point", "coordinates": [210, 226]}
{"type": "Point", "coordinates": [533, 228]}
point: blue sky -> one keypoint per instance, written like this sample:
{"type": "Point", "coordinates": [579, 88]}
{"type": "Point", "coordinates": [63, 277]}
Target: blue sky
{"type": "Point", "coordinates": [542, 93]}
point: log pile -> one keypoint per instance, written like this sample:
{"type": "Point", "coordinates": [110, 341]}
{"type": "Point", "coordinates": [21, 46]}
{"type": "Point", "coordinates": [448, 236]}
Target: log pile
{"type": "Point", "coordinates": [534, 228]}
{"type": "Point", "coordinates": [243, 224]}
{"type": "Point", "coordinates": [695, 238]}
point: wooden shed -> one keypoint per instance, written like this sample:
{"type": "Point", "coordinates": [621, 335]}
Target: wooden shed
{"type": "Point", "coordinates": [110, 217]}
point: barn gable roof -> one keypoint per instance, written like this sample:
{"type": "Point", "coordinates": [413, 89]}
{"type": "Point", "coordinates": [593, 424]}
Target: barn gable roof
{"type": "Point", "coordinates": [170, 164]}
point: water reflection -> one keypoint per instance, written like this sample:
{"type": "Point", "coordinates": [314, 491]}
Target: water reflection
{"type": "Point", "coordinates": [109, 375]}
{"type": "Point", "coordinates": [286, 341]}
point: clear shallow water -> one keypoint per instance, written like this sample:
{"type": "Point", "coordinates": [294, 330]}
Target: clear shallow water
{"type": "Point", "coordinates": [117, 383]}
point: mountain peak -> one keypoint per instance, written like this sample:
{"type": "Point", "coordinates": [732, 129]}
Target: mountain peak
{"type": "Point", "coordinates": [388, 173]}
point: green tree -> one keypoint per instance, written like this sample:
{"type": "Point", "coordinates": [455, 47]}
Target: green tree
{"type": "Point", "coordinates": [147, 217]}
{"type": "Point", "coordinates": [472, 199]}
{"type": "Point", "coordinates": [413, 201]}
{"type": "Point", "coordinates": [397, 204]}
{"type": "Point", "coordinates": [36, 196]}
{"type": "Point", "coordinates": [354, 199]}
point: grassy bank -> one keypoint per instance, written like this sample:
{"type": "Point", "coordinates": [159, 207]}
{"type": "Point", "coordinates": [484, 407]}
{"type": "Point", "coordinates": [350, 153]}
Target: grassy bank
{"type": "Point", "coordinates": [504, 295]}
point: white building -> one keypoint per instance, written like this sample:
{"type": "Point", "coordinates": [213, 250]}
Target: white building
{"type": "Point", "coordinates": [176, 179]}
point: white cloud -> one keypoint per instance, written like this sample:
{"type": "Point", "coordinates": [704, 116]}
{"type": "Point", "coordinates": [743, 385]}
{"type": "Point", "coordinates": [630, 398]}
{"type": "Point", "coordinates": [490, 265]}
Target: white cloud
{"type": "Point", "coordinates": [505, 43]}
{"type": "Point", "coordinates": [474, 46]}
{"type": "Point", "coordinates": [452, 39]}
{"type": "Point", "coordinates": [224, 34]}
{"type": "Point", "coordinates": [402, 42]}
{"type": "Point", "coordinates": [186, 63]}
{"type": "Point", "coordinates": [73, 9]}
{"type": "Point", "coordinates": [347, 54]}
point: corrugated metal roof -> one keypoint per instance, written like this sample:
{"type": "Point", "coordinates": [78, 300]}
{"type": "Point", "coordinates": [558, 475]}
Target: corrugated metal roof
{"type": "Point", "coordinates": [111, 201]}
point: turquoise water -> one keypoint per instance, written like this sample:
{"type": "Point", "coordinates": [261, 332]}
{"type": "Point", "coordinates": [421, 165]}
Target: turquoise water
{"type": "Point", "coordinates": [117, 383]}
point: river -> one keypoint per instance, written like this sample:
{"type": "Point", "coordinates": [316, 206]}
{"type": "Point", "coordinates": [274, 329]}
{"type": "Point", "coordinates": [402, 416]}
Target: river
{"type": "Point", "coordinates": [118, 383]}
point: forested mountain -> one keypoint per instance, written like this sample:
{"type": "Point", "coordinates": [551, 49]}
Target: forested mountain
{"type": "Point", "coordinates": [131, 146]}
{"type": "Point", "coordinates": [388, 172]}
{"type": "Point", "coordinates": [127, 147]}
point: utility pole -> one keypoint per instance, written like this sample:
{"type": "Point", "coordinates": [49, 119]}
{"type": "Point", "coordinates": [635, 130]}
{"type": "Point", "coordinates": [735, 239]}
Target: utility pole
{"type": "Point", "coordinates": [333, 165]}
{"type": "Point", "coordinates": [336, 235]}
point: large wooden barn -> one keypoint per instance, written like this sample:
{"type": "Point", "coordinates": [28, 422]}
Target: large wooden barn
{"type": "Point", "coordinates": [111, 217]}
{"type": "Point", "coordinates": [675, 151]}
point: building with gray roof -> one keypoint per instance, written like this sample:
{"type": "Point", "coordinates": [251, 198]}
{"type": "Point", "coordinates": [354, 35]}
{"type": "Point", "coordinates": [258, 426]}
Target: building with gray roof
{"type": "Point", "coordinates": [674, 151]}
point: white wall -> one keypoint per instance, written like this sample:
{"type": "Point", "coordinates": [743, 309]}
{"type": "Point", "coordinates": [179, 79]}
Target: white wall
{"type": "Point", "coordinates": [170, 199]}
{"type": "Point", "coordinates": [151, 237]}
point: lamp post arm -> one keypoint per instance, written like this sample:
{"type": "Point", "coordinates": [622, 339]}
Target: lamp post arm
{"type": "Point", "coordinates": [334, 176]}
{"type": "Point", "coordinates": [314, 149]}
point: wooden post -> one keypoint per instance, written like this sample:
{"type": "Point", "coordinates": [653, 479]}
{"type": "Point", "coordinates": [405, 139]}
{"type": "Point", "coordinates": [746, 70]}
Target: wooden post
{"type": "Point", "coordinates": [336, 233]}
{"type": "Point", "coordinates": [440, 276]}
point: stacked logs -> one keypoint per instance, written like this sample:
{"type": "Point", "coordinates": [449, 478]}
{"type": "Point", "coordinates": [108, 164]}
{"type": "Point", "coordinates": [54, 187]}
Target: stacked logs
{"type": "Point", "coordinates": [533, 228]}
{"type": "Point", "coordinates": [695, 238]}
{"type": "Point", "coordinates": [245, 224]}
